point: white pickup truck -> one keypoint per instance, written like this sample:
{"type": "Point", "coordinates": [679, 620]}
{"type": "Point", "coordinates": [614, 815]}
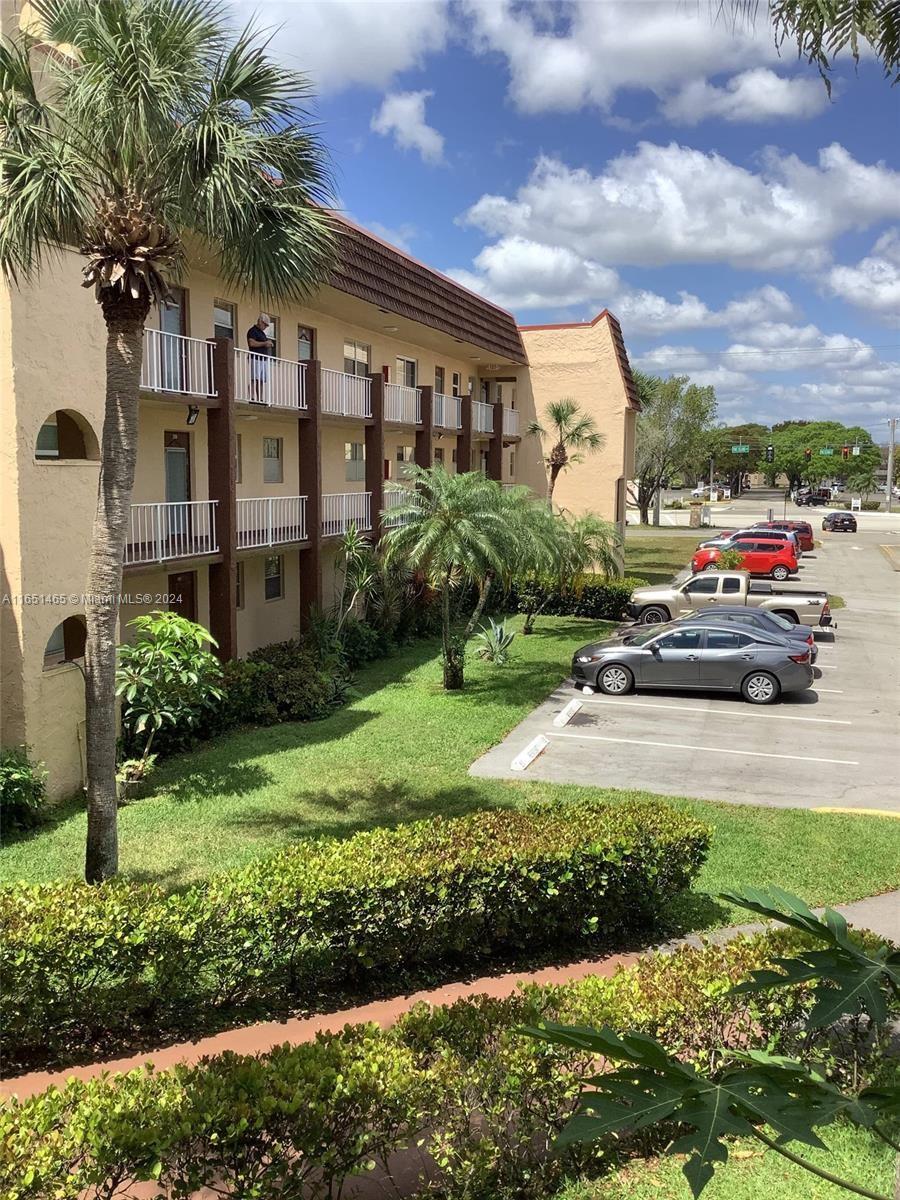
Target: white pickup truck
{"type": "Point", "coordinates": [651, 605]}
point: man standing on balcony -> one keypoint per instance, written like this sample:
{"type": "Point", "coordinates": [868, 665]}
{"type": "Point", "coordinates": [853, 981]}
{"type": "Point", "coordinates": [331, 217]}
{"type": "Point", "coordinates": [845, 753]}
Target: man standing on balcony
{"type": "Point", "coordinates": [260, 348]}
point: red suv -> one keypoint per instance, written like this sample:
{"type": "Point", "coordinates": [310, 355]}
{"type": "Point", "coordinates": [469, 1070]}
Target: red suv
{"type": "Point", "coordinates": [803, 530]}
{"type": "Point", "coordinates": [759, 558]}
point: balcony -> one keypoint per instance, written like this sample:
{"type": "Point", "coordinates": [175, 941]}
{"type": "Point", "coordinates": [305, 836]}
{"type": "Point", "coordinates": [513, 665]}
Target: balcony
{"type": "Point", "coordinates": [264, 379]}
{"type": "Point", "coordinates": [346, 395]}
{"type": "Point", "coordinates": [340, 510]}
{"type": "Point", "coordinates": [161, 532]}
{"type": "Point", "coordinates": [394, 497]}
{"type": "Point", "coordinates": [402, 404]}
{"type": "Point", "coordinates": [270, 521]}
{"type": "Point", "coordinates": [447, 411]}
{"type": "Point", "coordinates": [172, 363]}
{"type": "Point", "coordinates": [510, 423]}
{"type": "Point", "coordinates": [482, 417]}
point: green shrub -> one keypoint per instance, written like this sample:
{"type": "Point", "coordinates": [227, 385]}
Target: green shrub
{"type": "Point", "coordinates": [870, 505]}
{"type": "Point", "coordinates": [479, 1103]}
{"type": "Point", "coordinates": [87, 965]}
{"type": "Point", "coordinates": [298, 686]}
{"type": "Point", "coordinates": [361, 643]}
{"type": "Point", "coordinates": [592, 596]}
{"type": "Point", "coordinates": [22, 789]}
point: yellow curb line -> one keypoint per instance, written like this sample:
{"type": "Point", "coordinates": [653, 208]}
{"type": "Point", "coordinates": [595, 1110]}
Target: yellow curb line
{"type": "Point", "coordinates": [865, 812]}
{"type": "Point", "coordinates": [892, 554]}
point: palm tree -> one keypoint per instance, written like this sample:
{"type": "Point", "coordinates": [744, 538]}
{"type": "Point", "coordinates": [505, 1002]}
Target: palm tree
{"type": "Point", "coordinates": [149, 121]}
{"type": "Point", "coordinates": [585, 543]}
{"type": "Point", "coordinates": [457, 530]}
{"type": "Point", "coordinates": [571, 434]}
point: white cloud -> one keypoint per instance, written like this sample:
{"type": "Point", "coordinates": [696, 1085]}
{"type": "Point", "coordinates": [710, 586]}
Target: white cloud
{"type": "Point", "coordinates": [668, 204]}
{"type": "Point", "coordinates": [401, 236]}
{"type": "Point", "coordinates": [755, 95]}
{"type": "Point", "coordinates": [402, 114]}
{"type": "Point", "coordinates": [774, 346]}
{"type": "Point", "coordinates": [874, 282]}
{"type": "Point", "coordinates": [641, 311]}
{"type": "Point", "coordinates": [346, 42]}
{"type": "Point", "coordinates": [516, 272]}
{"type": "Point", "coordinates": [583, 53]}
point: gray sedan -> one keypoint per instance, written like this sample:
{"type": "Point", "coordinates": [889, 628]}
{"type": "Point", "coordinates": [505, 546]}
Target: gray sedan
{"type": "Point", "coordinates": [754, 618]}
{"type": "Point", "coordinates": [705, 657]}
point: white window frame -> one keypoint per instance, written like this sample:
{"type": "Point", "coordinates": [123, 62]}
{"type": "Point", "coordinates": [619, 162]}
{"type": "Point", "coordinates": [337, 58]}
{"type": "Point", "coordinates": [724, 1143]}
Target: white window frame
{"type": "Point", "coordinates": [279, 559]}
{"type": "Point", "coordinates": [223, 305]}
{"type": "Point", "coordinates": [354, 357]}
{"type": "Point", "coordinates": [456, 383]}
{"type": "Point", "coordinates": [355, 464]}
{"type": "Point", "coordinates": [440, 373]}
{"type": "Point", "coordinates": [403, 370]}
{"type": "Point", "coordinates": [270, 458]}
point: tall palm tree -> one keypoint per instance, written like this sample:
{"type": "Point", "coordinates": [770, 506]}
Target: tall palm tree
{"type": "Point", "coordinates": [571, 434]}
{"type": "Point", "coordinates": [579, 545]}
{"type": "Point", "coordinates": [457, 529]}
{"type": "Point", "coordinates": [148, 121]}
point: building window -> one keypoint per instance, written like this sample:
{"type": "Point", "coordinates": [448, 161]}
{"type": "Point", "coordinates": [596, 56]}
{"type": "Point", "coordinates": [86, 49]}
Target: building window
{"type": "Point", "coordinates": [512, 464]}
{"type": "Point", "coordinates": [439, 455]}
{"type": "Point", "coordinates": [65, 435]}
{"type": "Point", "coordinates": [239, 587]}
{"type": "Point", "coordinates": [439, 378]}
{"type": "Point", "coordinates": [272, 334]}
{"type": "Point", "coordinates": [306, 343]}
{"type": "Point", "coordinates": [405, 457]}
{"type": "Point", "coordinates": [274, 577]}
{"type": "Point", "coordinates": [357, 356]}
{"type": "Point", "coordinates": [407, 369]}
{"type": "Point", "coordinates": [223, 319]}
{"type": "Point", "coordinates": [453, 457]}
{"type": "Point", "coordinates": [471, 385]}
{"type": "Point", "coordinates": [355, 461]}
{"type": "Point", "coordinates": [273, 466]}
{"type": "Point", "coordinates": [238, 459]}
{"type": "Point", "coordinates": [47, 445]}
{"type": "Point", "coordinates": [457, 383]}
{"type": "Point", "coordinates": [499, 396]}
{"type": "Point", "coordinates": [483, 462]}
{"type": "Point", "coordinates": [66, 643]}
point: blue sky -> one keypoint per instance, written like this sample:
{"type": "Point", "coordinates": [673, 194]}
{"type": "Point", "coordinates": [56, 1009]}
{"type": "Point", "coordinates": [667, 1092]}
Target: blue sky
{"type": "Point", "coordinates": [562, 158]}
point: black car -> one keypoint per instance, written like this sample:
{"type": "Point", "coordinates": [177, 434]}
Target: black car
{"type": "Point", "coordinates": [843, 522]}
{"type": "Point", "coordinates": [813, 499]}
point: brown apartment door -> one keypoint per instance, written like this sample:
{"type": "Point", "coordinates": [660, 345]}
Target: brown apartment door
{"type": "Point", "coordinates": [183, 594]}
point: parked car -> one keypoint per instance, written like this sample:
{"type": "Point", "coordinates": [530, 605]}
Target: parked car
{"type": "Point", "coordinates": [755, 618]}
{"type": "Point", "coordinates": [839, 522]}
{"type": "Point", "coordinates": [651, 605]}
{"type": "Point", "coordinates": [813, 498]}
{"type": "Point", "coordinates": [725, 540]}
{"type": "Point", "coordinates": [803, 530]}
{"type": "Point", "coordinates": [706, 656]}
{"type": "Point", "coordinates": [758, 556]}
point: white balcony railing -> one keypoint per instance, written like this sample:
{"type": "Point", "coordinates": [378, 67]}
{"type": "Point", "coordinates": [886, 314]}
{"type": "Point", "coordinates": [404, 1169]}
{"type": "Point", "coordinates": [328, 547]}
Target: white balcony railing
{"type": "Point", "coordinates": [340, 510]}
{"type": "Point", "coordinates": [510, 422]}
{"type": "Point", "coordinates": [447, 411]}
{"type": "Point", "coordinates": [270, 521]}
{"type": "Point", "coordinates": [394, 497]}
{"type": "Point", "coordinates": [172, 363]}
{"type": "Point", "coordinates": [264, 379]}
{"type": "Point", "coordinates": [402, 403]}
{"type": "Point", "coordinates": [346, 395]}
{"type": "Point", "coordinates": [159, 532]}
{"type": "Point", "coordinates": [482, 417]}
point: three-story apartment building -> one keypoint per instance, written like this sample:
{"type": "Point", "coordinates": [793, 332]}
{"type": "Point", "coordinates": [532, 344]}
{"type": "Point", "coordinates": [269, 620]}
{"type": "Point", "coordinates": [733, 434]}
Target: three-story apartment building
{"type": "Point", "coordinates": [249, 470]}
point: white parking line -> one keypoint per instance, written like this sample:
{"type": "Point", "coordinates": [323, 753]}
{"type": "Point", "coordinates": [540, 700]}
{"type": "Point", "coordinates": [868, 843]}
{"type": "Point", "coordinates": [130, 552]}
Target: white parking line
{"type": "Point", "coordinates": [832, 691]}
{"type": "Point", "coordinates": [716, 712]}
{"type": "Point", "coordinates": [595, 737]}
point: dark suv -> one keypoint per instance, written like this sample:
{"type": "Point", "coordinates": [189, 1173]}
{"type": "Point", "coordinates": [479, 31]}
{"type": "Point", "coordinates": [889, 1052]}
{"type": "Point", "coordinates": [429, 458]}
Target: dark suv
{"type": "Point", "coordinates": [803, 530]}
{"type": "Point", "coordinates": [840, 522]}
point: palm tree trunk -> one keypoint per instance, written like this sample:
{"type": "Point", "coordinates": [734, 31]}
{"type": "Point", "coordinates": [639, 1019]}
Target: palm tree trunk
{"type": "Point", "coordinates": [483, 588]}
{"type": "Point", "coordinates": [551, 483]}
{"type": "Point", "coordinates": [453, 662]}
{"type": "Point", "coordinates": [124, 328]}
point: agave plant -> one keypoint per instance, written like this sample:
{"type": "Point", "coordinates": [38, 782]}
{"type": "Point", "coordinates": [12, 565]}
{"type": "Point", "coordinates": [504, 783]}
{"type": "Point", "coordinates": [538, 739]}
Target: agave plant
{"type": "Point", "coordinates": [494, 642]}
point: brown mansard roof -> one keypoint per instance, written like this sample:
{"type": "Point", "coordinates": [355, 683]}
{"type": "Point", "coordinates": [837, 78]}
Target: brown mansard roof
{"type": "Point", "coordinates": [373, 270]}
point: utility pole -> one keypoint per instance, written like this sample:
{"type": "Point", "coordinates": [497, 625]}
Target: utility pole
{"type": "Point", "coordinates": [890, 464]}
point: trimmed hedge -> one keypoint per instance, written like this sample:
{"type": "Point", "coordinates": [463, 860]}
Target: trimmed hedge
{"type": "Point", "coordinates": [90, 967]}
{"type": "Point", "coordinates": [481, 1103]}
{"type": "Point", "coordinates": [592, 597]}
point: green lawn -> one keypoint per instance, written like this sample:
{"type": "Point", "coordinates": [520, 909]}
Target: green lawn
{"type": "Point", "coordinates": [657, 557]}
{"type": "Point", "coordinates": [401, 749]}
{"type": "Point", "coordinates": [754, 1173]}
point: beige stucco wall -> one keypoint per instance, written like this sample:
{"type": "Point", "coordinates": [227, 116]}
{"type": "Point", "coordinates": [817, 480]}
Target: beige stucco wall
{"type": "Point", "coordinates": [261, 622]}
{"type": "Point", "coordinates": [252, 434]}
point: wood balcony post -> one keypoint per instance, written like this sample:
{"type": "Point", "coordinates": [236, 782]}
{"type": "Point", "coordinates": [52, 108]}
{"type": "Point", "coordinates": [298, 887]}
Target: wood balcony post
{"type": "Point", "coordinates": [425, 432]}
{"type": "Point", "coordinates": [495, 445]}
{"type": "Point", "coordinates": [464, 441]}
{"type": "Point", "coordinates": [222, 454]}
{"type": "Point", "coordinates": [375, 453]}
{"type": "Point", "coordinates": [310, 435]}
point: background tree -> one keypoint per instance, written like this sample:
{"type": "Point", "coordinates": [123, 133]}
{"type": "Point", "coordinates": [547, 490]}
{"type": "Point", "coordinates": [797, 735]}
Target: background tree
{"type": "Point", "coordinates": [732, 467]}
{"type": "Point", "coordinates": [675, 418]}
{"type": "Point", "coordinates": [570, 433]}
{"type": "Point", "coordinates": [148, 121]}
{"type": "Point", "coordinates": [793, 440]}
{"type": "Point", "coordinates": [822, 29]}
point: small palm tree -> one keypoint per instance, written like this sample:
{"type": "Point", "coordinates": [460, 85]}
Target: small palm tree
{"type": "Point", "coordinates": [457, 530]}
{"type": "Point", "coordinates": [148, 121]}
{"type": "Point", "coordinates": [571, 434]}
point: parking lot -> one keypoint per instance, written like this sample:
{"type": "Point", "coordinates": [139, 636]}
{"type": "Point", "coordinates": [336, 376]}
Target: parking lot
{"type": "Point", "coordinates": [836, 745]}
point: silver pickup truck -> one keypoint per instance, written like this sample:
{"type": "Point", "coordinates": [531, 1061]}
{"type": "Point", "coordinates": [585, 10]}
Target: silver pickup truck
{"type": "Point", "coordinates": [650, 605]}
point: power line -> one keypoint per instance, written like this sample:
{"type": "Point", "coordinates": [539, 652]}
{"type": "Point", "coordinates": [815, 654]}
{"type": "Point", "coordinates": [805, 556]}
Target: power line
{"type": "Point", "coordinates": [767, 351]}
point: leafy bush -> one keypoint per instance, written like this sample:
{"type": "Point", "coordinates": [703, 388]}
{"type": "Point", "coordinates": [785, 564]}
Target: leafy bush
{"type": "Point", "coordinates": [870, 505]}
{"type": "Point", "coordinates": [297, 685]}
{"type": "Point", "coordinates": [494, 643]}
{"type": "Point", "coordinates": [598, 599]}
{"type": "Point", "coordinates": [482, 1103]}
{"type": "Point", "coordinates": [22, 789]}
{"type": "Point", "coordinates": [729, 560]}
{"type": "Point", "coordinates": [361, 643]}
{"type": "Point", "coordinates": [83, 965]}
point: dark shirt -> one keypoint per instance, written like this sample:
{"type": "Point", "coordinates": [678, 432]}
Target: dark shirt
{"type": "Point", "coordinates": [257, 335]}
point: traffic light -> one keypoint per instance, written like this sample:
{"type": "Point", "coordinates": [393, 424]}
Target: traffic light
{"type": "Point", "coordinates": [770, 453]}
{"type": "Point", "coordinates": [807, 454]}
{"type": "Point", "coordinates": [845, 451]}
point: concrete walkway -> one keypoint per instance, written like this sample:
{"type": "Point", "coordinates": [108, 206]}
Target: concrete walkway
{"type": "Point", "coordinates": [881, 914]}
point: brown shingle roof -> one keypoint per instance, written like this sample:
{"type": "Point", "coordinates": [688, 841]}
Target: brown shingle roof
{"type": "Point", "coordinates": [372, 270]}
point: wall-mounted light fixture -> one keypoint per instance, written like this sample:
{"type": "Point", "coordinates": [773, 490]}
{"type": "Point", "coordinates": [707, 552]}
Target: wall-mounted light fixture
{"type": "Point", "coordinates": [193, 414]}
